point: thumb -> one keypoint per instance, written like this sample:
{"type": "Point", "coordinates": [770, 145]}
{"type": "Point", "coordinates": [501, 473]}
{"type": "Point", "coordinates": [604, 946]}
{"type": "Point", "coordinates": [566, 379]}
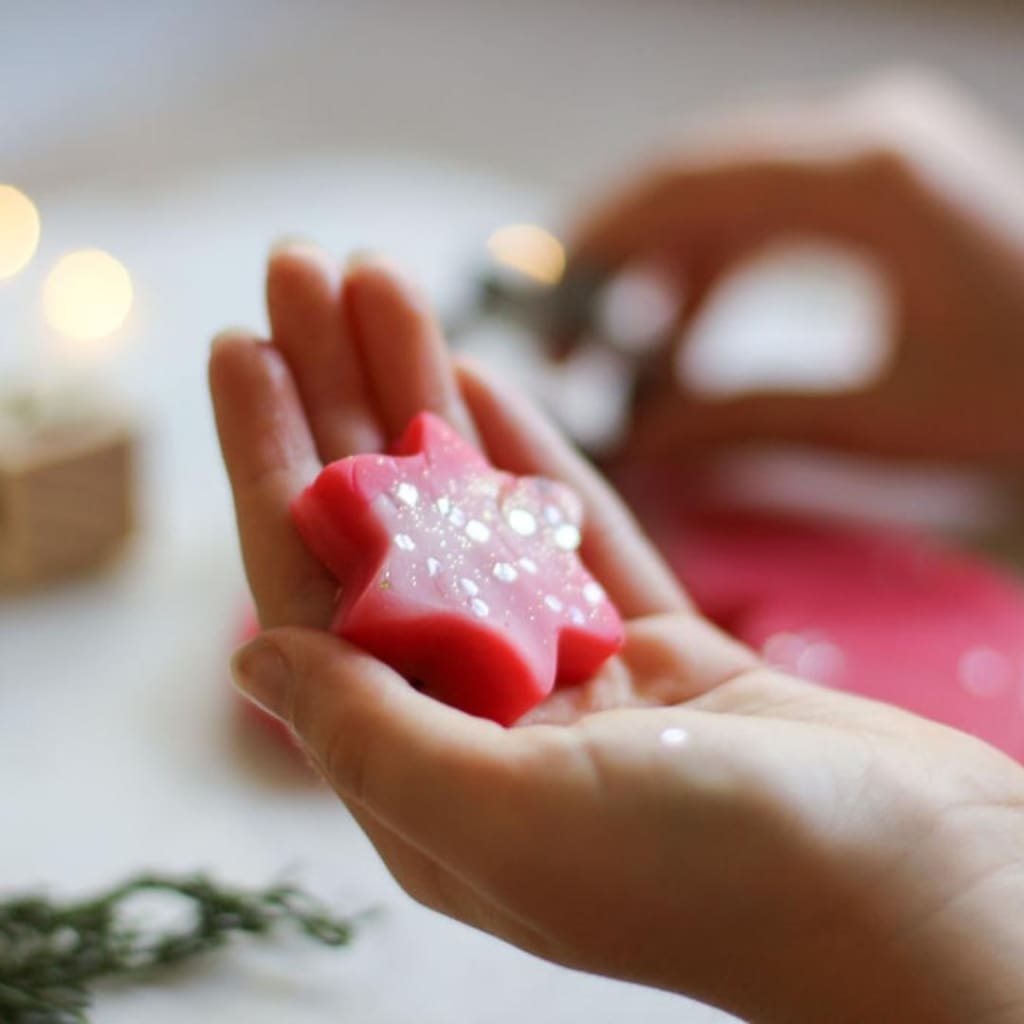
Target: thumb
{"type": "Point", "coordinates": [379, 742]}
{"type": "Point", "coordinates": [298, 674]}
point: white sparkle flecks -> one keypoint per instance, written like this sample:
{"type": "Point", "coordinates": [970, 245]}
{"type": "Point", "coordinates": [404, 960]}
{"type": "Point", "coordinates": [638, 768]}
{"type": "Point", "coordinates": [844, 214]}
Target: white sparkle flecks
{"type": "Point", "coordinates": [475, 530]}
{"type": "Point", "coordinates": [407, 493]}
{"type": "Point", "coordinates": [523, 522]}
{"type": "Point", "coordinates": [673, 736]}
{"type": "Point", "coordinates": [505, 572]}
{"type": "Point", "coordinates": [567, 537]}
{"type": "Point", "coordinates": [479, 522]}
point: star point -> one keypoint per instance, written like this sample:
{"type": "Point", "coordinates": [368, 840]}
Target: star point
{"type": "Point", "coordinates": [459, 575]}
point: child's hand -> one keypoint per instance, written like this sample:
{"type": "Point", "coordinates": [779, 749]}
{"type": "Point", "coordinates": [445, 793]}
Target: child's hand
{"type": "Point", "coordinates": [783, 851]}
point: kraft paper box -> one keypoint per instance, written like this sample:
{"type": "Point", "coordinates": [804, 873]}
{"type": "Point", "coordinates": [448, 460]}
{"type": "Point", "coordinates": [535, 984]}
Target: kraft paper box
{"type": "Point", "coordinates": [67, 486]}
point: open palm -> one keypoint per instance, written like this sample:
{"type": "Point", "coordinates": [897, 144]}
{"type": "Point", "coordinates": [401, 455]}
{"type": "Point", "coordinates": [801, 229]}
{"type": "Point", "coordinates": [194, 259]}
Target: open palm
{"type": "Point", "coordinates": [689, 818]}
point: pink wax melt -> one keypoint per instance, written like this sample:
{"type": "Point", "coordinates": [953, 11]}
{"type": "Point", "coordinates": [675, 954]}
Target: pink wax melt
{"type": "Point", "coordinates": [463, 578]}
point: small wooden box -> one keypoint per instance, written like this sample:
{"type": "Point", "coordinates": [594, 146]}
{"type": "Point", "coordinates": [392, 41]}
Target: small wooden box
{"type": "Point", "coordinates": [67, 490]}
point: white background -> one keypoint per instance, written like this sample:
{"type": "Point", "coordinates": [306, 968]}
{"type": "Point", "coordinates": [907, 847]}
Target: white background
{"type": "Point", "coordinates": [553, 92]}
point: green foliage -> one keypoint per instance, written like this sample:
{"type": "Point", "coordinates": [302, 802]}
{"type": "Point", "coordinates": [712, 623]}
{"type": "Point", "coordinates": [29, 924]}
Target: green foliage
{"type": "Point", "coordinates": [50, 952]}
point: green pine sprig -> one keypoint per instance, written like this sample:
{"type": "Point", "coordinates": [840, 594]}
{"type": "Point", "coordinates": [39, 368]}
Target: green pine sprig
{"type": "Point", "coordinates": [51, 952]}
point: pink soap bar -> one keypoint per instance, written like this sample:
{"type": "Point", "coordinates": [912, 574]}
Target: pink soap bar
{"type": "Point", "coordinates": [882, 613]}
{"type": "Point", "coordinates": [463, 578]}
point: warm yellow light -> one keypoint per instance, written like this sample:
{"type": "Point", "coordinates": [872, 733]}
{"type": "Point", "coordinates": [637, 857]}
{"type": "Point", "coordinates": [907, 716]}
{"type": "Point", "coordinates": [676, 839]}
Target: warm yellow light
{"type": "Point", "coordinates": [19, 230]}
{"type": "Point", "coordinates": [87, 295]}
{"type": "Point", "coordinates": [529, 249]}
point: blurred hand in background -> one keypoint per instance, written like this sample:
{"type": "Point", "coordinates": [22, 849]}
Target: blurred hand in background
{"type": "Point", "coordinates": [905, 172]}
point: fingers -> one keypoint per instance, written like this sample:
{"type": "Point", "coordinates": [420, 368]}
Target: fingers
{"type": "Point", "coordinates": [430, 774]}
{"type": "Point", "coordinates": [270, 455]}
{"type": "Point", "coordinates": [311, 397]}
{"type": "Point", "coordinates": [428, 785]}
{"type": "Point", "coordinates": [315, 338]}
{"type": "Point", "coordinates": [519, 439]}
{"type": "Point", "coordinates": [700, 214]}
{"type": "Point", "coordinates": [704, 213]}
{"type": "Point", "coordinates": [406, 360]}
{"type": "Point", "coordinates": [673, 659]}
{"type": "Point", "coordinates": [682, 422]}
{"type": "Point", "coordinates": [666, 660]}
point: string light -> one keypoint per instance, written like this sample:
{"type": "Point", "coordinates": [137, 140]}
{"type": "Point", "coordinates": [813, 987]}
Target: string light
{"type": "Point", "coordinates": [19, 230]}
{"type": "Point", "coordinates": [531, 250]}
{"type": "Point", "coordinates": [87, 295]}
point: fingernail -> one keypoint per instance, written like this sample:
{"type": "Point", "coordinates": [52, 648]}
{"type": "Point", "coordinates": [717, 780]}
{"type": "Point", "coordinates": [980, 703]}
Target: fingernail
{"type": "Point", "coordinates": [293, 249]}
{"type": "Point", "coordinates": [284, 243]}
{"type": "Point", "coordinates": [362, 257]}
{"type": "Point", "coordinates": [230, 335]}
{"type": "Point", "coordinates": [262, 674]}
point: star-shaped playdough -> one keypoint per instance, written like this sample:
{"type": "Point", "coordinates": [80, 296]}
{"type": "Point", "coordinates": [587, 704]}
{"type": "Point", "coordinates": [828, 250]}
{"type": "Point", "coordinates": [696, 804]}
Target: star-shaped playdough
{"type": "Point", "coordinates": [462, 577]}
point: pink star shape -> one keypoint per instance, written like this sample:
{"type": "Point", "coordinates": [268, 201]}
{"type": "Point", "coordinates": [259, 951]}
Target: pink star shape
{"type": "Point", "coordinates": [464, 578]}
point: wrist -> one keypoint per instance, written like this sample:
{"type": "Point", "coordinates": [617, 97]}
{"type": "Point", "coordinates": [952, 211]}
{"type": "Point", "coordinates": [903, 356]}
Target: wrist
{"type": "Point", "coordinates": [950, 937]}
{"type": "Point", "coordinates": [971, 940]}
{"type": "Point", "coordinates": [923, 922]}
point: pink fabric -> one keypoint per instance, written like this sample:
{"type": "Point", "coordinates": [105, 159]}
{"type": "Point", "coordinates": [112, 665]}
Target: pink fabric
{"type": "Point", "coordinates": [886, 614]}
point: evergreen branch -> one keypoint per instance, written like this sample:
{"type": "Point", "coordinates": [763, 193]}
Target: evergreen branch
{"type": "Point", "coordinates": [50, 951]}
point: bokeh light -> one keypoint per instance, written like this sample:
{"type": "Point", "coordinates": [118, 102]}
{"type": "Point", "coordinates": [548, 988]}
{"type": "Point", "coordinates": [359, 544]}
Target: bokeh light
{"type": "Point", "coordinates": [87, 295]}
{"type": "Point", "coordinates": [19, 230]}
{"type": "Point", "coordinates": [531, 250]}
